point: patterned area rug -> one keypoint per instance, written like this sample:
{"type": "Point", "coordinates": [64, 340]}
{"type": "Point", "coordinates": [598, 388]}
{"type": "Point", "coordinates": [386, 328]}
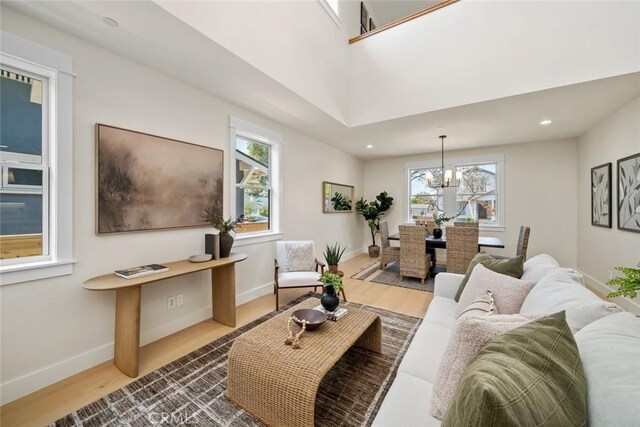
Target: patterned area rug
{"type": "Point", "coordinates": [191, 390]}
{"type": "Point", "coordinates": [391, 276]}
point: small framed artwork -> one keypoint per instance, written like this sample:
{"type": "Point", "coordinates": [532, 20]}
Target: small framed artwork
{"type": "Point", "coordinates": [362, 29]}
{"type": "Point", "coordinates": [364, 16]}
{"type": "Point", "coordinates": [372, 25]}
{"type": "Point", "coordinates": [629, 193]}
{"type": "Point", "coordinates": [601, 195]}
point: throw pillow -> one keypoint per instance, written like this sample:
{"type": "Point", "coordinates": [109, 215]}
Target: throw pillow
{"type": "Point", "coordinates": [470, 334]}
{"type": "Point", "coordinates": [530, 375]}
{"type": "Point", "coordinates": [483, 305]}
{"type": "Point", "coordinates": [509, 266]}
{"type": "Point", "coordinates": [559, 291]}
{"type": "Point", "coordinates": [610, 352]}
{"type": "Point", "coordinates": [299, 257]}
{"type": "Point", "coordinates": [508, 292]}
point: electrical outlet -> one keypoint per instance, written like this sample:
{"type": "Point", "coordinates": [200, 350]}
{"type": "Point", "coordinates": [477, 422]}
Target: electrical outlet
{"type": "Point", "coordinates": [171, 302]}
{"type": "Point", "coordinates": [179, 299]}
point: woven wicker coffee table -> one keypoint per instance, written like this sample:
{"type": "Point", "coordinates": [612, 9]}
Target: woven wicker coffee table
{"type": "Point", "coordinates": [278, 384]}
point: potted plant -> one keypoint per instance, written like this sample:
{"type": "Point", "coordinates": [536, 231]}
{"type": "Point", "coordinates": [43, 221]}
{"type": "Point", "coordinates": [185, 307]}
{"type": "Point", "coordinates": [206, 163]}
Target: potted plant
{"type": "Point", "coordinates": [372, 211]}
{"type": "Point", "coordinates": [333, 254]}
{"type": "Point", "coordinates": [225, 227]}
{"type": "Point", "coordinates": [629, 285]}
{"type": "Point", "coordinates": [439, 219]}
{"type": "Point", "coordinates": [332, 284]}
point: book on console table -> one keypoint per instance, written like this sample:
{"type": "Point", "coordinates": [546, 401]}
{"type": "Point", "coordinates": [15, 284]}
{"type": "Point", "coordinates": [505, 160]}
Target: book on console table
{"type": "Point", "coordinates": [331, 315]}
{"type": "Point", "coordinates": [143, 270]}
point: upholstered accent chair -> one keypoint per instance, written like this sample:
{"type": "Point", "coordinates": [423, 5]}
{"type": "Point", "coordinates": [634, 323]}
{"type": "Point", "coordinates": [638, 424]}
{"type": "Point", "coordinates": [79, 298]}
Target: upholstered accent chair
{"type": "Point", "coordinates": [296, 266]}
{"type": "Point", "coordinates": [414, 260]}
{"type": "Point", "coordinates": [462, 246]}
{"type": "Point", "coordinates": [388, 253]}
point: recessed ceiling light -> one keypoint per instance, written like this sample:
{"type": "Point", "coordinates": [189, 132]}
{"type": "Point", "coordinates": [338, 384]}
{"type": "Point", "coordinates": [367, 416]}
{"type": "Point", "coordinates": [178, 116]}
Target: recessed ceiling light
{"type": "Point", "coordinates": [545, 122]}
{"type": "Point", "coordinates": [369, 146]}
{"type": "Point", "coordinates": [110, 21]}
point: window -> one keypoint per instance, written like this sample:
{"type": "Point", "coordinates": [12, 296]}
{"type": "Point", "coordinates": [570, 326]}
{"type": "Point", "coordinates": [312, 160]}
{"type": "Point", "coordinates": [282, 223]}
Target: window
{"type": "Point", "coordinates": [479, 194]}
{"type": "Point", "coordinates": [35, 161]}
{"type": "Point", "coordinates": [332, 9]}
{"type": "Point", "coordinates": [256, 177]}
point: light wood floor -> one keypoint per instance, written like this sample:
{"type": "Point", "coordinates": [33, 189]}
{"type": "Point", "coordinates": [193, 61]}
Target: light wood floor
{"type": "Point", "coordinates": [47, 405]}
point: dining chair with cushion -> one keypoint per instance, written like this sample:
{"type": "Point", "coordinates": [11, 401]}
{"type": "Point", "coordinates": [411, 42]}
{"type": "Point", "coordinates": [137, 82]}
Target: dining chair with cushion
{"type": "Point", "coordinates": [296, 266]}
{"type": "Point", "coordinates": [414, 260]}
{"type": "Point", "coordinates": [523, 243]}
{"type": "Point", "coordinates": [462, 246]}
{"type": "Point", "coordinates": [388, 253]}
{"type": "Point", "coordinates": [428, 221]}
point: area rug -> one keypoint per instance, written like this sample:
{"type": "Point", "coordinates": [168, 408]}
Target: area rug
{"type": "Point", "coordinates": [391, 276]}
{"type": "Point", "coordinates": [191, 390]}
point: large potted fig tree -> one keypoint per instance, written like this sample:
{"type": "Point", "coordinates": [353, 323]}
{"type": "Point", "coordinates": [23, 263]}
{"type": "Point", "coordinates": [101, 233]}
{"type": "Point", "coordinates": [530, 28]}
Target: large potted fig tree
{"type": "Point", "coordinates": [372, 211]}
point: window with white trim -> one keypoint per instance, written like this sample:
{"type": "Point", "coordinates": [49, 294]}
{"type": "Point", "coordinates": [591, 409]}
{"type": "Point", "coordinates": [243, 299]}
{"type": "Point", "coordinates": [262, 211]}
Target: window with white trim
{"type": "Point", "coordinates": [36, 161]}
{"type": "Point", "coordinates": [256, 175]}
{"type": "Point", "coordinates": [332, 7]}
{"type": "Point", "coordinates": [478, 195]}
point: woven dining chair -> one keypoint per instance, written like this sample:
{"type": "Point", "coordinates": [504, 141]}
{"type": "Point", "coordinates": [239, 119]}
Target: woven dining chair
{"type": "Point", "coordinates": [523, 243]}
{"type": "Point", "coordinates": [462, 246]}
{"type": "Point", "coordinates": [414, 261]}
{"type": "Point", "coordinates": [388, 253]}
{"type": "Point", "coordinates": [428, 221]}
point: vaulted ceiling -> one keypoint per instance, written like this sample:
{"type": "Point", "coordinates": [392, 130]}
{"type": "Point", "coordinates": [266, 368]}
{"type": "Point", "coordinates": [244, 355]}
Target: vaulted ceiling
{"type": "Point", "coordinates": [487, 72]}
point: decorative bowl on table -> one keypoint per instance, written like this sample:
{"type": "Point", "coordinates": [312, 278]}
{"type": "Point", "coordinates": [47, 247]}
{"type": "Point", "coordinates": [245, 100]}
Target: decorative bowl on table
{"type": "Point", "coordinates": [314, 318]}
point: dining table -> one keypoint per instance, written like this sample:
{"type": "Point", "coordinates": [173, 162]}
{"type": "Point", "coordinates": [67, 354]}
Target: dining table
{"type": "Point", "coordinates": [431, 244]}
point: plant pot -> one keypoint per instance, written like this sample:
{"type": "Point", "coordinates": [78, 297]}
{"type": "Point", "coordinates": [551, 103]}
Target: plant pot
{"type": "Point", "coordinates": [226, 242]}
{"type": "Point", "coordinates": [333, 269]}
{"type": "Point", "coordinates": [374, 251]}
{"type": "Point", "coordinates": [437, 233]}
{"type": "Point", "coordinates": [329, 299]}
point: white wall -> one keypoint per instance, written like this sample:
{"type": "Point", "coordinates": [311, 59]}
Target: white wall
{"type": "Point", "coordinates": [54, 328]}
{"type": "Point", "coordinates": [294, 42]}
{"type": "Point", "coordinates": [602, 249]}
{"type": "Point", "coordinates": [477, 50]}
{"type": "Point", "coordinates": [540, 191]}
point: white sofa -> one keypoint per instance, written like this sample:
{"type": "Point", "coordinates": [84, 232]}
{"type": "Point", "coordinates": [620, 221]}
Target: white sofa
{"type": "Point", "coordinates": [408, 401]}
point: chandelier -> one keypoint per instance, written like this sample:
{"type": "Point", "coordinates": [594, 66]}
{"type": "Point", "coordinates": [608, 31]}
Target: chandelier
{"type": "Point", "coordinates": [446, 175]}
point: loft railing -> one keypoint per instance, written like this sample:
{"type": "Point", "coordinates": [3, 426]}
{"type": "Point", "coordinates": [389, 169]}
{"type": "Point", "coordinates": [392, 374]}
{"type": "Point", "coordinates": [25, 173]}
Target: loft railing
{"type": "Point", "coordinates": [402, 20]}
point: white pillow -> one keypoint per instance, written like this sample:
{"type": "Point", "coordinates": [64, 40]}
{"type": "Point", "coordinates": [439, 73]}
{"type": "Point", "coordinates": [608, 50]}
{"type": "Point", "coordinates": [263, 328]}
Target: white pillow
{"type": "Point", "coordinates": [299, 256]}
{"type": "Point", "coordinates": [483, 305]}
{"type": "Point", "coordinates": [539, 266]}
{"type": "Point", "coordinates": [559, 291]}
{"type": "Point", "coordinates": [508, 292]}
{"type": "Point", "coordinates": [470, 334]}
{"type": "Point", "coordinates": [610, 353]}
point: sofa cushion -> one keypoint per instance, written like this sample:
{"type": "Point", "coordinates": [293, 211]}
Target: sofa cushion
{"type": "Point", "coordinates": [559, 291]}
{"type": "Point", "coordinates": [536, 268]}
{"type": "Point", "coordinates": [469, 335]}
{"type": "Point", "coordinates": [508, 266]}
{"type": "Point", "coordinates": [442, 311]}
{"type": "Point", "coordinates": [610, 352]}
{"type": "Point", "coordinates": [406, 404]}
{"type": "Point", "coordinates": [508, 292]}
{"type": "Point", "coordinates": [424, 355]}
{"type": "Point", "coordinates": [531, 375]}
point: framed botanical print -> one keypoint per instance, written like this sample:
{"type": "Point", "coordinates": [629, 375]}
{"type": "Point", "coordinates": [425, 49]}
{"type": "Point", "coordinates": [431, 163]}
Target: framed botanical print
{"type": "Point", "coordinates": [629, 193]}
{"type": "Point", "coordinates": [601, 195]}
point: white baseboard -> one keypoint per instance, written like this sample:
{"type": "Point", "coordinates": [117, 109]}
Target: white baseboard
{"type": "Point", "coordinates": [353, 254]}
{"type": "Point", "coordinates": [630, 305]}
{"type": "Point", "coordinates": [19, 387]}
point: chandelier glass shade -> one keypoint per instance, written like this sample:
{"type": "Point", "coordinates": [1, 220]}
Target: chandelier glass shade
{"type": "Point", "coordinates": [446, 176]}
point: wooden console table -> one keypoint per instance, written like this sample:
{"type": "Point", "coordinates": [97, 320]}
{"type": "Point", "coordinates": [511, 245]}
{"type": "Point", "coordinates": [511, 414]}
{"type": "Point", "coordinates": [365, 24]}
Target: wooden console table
{"type": "Point", "coordinates": [128, 296]}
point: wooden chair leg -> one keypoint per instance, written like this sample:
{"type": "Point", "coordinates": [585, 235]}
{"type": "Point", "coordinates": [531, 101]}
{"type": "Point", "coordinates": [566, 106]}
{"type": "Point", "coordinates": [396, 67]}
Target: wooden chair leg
{"type": "Point", "coordinates": [277, 301]}
{"type": "Point", "coordinates": [344, 297]}
{"type": "Point", "coordinates": [423, 280]}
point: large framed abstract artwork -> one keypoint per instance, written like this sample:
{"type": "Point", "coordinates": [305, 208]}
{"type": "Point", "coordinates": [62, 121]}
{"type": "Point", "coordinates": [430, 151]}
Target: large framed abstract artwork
{"type": "Point", "coordinates": [629, 193]}
{"type": "Point", "coordinates": [601, 196]}
{"type": "Point", "coordinates": [147, 182]}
